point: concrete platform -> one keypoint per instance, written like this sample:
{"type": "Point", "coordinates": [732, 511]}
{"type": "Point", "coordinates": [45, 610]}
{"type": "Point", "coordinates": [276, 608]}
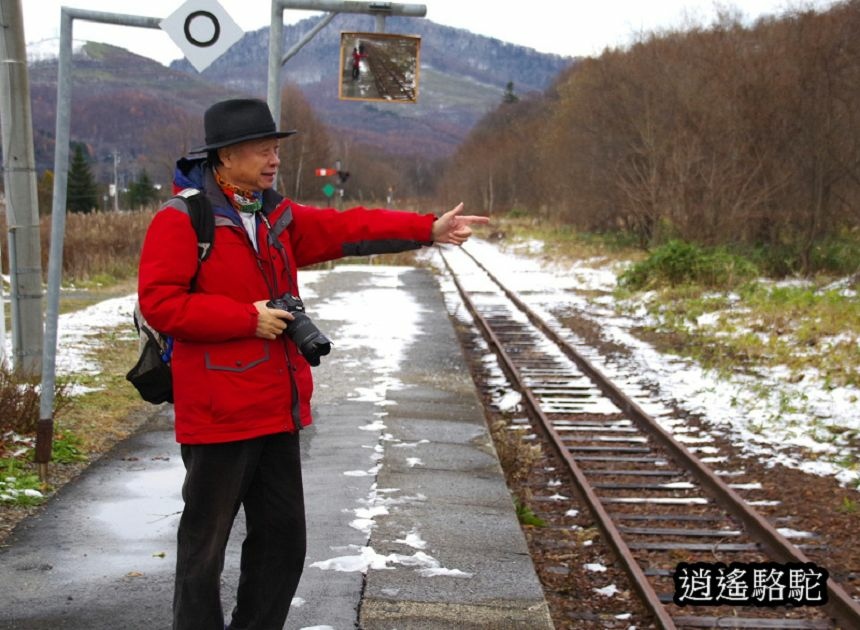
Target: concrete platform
{"type": "Point", "coordinates": [410, 524]}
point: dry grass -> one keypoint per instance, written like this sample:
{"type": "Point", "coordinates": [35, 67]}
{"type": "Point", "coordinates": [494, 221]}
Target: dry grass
{"type": "Point", "coordinates": [98, 248]}
{"type": "Point", "coordinates": [101, 246]}
{"type": "Point", "coordinates": [516, 456]}
{"type": "Point", "coordinates": [111, 413]}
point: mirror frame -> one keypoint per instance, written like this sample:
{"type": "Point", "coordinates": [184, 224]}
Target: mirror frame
{"type": "Point", "coordinates": [401, 53]}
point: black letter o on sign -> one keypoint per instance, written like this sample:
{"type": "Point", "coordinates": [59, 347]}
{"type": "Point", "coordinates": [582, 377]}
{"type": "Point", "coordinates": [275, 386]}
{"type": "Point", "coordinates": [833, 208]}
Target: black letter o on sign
{"type": "Point", "coordinates": [204, 14]}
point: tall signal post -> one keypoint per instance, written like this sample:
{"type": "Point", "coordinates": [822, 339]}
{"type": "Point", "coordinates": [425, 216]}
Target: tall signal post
{"type": "Point", "coordinates": [22, 211]}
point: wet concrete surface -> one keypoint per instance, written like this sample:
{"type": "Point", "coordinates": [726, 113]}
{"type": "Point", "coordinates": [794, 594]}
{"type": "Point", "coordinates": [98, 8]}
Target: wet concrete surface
{"type": "Point", "coordinates": [401, 444]}
{"type": "Point", "coordinates": [99, 554]}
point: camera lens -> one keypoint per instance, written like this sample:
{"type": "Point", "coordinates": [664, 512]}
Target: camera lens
{"type": "Point", "coordinates": [310, 341]}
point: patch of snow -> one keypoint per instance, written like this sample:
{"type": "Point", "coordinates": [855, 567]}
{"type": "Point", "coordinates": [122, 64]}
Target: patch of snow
{"type": "Point", "coordinates": [366, 559]}
{"type": "Point", "coordinates": [77, 334]}
{"type": "Point", "coordinates": [509, 401]}
{"type": "Point", "coordinates": [595, 566]}
{"type": "Point", "coordinates": [607, 591]}
{"type": "Point", "coordinates": [49, 48]}
{"type": "Point", "coordinates": [413, 539]}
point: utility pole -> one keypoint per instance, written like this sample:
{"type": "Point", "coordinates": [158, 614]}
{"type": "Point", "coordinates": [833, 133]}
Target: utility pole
{"type": "Point", "coordinates": [19, 173]}
{"type": "Point", "coordinates": [115, 182]}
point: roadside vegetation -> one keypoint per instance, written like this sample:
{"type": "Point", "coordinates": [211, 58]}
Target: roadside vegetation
{"type": "Point", "coordinates": [717, 306]}
{"type": "Point", "coordinates": [19, 413]}
{"type": "Point", "coordinates": [86, 425]}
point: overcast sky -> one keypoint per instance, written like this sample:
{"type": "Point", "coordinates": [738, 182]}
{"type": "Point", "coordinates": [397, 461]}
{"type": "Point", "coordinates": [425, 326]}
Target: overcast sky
{"type": "Point", "coordinates": [565, 27]}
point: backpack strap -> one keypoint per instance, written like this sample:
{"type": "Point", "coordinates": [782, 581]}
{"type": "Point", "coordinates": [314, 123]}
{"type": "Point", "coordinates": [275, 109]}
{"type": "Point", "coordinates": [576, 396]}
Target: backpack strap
{"type": "Point", "coordinates": [155, 385]}
{"type": "Point", "coordinates": [202, 219]}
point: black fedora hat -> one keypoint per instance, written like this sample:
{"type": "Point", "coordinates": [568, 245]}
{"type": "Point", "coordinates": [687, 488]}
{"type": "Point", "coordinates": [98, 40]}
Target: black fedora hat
{"type": "Point", "coordinates": [236, 120]}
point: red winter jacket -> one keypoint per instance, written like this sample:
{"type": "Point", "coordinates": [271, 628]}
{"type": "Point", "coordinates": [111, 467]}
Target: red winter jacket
{"type": "Point", "coordinates": [229, 384]}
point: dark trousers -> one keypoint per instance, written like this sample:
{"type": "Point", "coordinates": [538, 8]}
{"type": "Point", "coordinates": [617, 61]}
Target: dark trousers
{"type": "Point", "coordinates": [263, 475]}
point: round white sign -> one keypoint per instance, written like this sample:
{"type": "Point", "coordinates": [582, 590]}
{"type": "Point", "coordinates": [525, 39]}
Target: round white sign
{"type": "Point", "coordinates": [203, 30]}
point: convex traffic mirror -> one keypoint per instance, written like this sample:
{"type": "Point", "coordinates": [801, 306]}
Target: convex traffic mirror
{"type": "Point", "coordinates": [379, 67]}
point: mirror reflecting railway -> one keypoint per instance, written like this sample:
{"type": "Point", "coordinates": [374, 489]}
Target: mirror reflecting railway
{"type": "Point", "coordinates": [379, 67]}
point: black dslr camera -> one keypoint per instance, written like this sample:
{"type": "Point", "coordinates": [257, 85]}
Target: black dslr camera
{"type": "Point", "coordinates": [304, 333]}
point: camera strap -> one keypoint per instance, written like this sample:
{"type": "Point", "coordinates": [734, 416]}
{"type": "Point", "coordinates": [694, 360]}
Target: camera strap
{"type": "Point", "coordinates": [274, 241]}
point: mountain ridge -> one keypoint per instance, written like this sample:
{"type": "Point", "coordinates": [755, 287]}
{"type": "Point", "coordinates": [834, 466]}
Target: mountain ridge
{"type": "Point", "coordinates": [137, 106]}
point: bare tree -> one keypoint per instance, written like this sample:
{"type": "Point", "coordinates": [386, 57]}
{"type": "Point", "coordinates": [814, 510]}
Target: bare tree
{"type": "Point", "coordinates": [304, 152]}
{"type": "Point", "coordinates": [721, 135]}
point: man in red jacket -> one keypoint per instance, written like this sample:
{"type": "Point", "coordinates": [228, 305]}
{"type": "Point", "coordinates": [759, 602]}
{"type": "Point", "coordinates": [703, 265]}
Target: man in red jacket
{"type": "Point", "coordinates": [242, 387]}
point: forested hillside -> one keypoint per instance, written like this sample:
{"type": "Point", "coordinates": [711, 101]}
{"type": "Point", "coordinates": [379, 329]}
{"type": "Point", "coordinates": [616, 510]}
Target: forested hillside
{"type": "Point", "coordinates": [148, 114]}
{"type": "Point", "coordinates": [747, 136]}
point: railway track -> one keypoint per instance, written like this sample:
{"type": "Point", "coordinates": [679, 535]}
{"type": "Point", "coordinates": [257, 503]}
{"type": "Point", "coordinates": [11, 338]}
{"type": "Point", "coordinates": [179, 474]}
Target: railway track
{"type": "Point", "coordinates": [391, 81]}
{"type": "Point", "coordinates": [653, 499]}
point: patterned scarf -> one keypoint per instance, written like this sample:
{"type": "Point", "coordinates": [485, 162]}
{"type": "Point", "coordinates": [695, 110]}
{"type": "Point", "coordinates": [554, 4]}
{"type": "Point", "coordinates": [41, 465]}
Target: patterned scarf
{"type": "Point", "coordinates": [242, 200]}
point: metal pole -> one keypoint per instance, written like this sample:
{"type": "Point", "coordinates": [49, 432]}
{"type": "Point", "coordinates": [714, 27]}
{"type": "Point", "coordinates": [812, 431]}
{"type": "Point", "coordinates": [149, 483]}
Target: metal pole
{"type": "Point", "coordinates": [115, 183]}
{"type": "Point", "coordinates": [276, 37]}
{"type": "Point", "coordinates": [22, 212]}
{"type": "Point", "coordinates": [45, 428]}
{"type": "Point", "coordinates": [349, 6]}
{"type": "Point", "coordinates": [275, 103]}
{"type": "Point", "coordinates": [276, 32]}
{"type": "Point", "coordinates": [3, 358]}
{"type": "Point", "coordinates": [308, 37]}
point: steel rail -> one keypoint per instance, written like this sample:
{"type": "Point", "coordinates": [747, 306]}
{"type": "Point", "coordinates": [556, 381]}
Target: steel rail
{"type": "Point", "coordinates": [840, 604]}
{"type": "Point", "coordinates": [607, 526]}
{"type": "Point", "coordinates": [377, 63]}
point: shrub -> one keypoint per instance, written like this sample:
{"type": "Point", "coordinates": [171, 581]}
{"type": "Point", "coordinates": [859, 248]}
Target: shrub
{"type": "Point", "coordinates": [777, 261]}
{"type": "Point", "coordinates": [678, 262]}
{"type": "Point", "coordinates": [837, 256]}
{"type": "Point", "coordinates": [19, 401]}
{"type": "Point", "coordinates": [516, 456]}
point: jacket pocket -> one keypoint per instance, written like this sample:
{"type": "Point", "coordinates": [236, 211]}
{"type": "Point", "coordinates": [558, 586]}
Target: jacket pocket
{"type": "Point", "coordinates": [240, 357]}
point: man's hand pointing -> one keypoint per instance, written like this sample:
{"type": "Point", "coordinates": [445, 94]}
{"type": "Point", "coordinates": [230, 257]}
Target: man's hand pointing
{"type": "Point", "coordinates": [453, 228]}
